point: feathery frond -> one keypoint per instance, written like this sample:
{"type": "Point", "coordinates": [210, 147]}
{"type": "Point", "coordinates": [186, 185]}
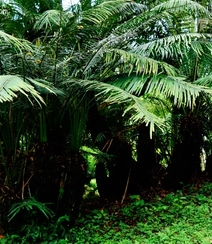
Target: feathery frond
{"type": "Point", "coordinates": [173, 46]}
{"type": "Point", "coordinates": [139, 63]}
{"type": "Point", "coordinates": [129, 62]}
{"type": "Point", "coordinates": [110, 94]}
{"type": "Point", "coordinates": [204, 81]}
{"type": "Point", "coordinates": [108, 8]}
{"type": "Point", "coordinates": [51, 19]}
{"type": "Point", "coordinates": [10, 85]}
{"type": "Point", "coordinates": [178, 88]}
{"type": "Point", "coordinates": [183, 92]}
{"type": "Point", "coordinates": [179, 5]}
{"type": "Point", "coordinates": [45, 87]}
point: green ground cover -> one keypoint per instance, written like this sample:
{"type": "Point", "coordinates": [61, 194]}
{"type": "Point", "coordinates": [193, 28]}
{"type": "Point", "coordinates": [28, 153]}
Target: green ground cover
{"type": "Point", "coordinates": [181, 217]}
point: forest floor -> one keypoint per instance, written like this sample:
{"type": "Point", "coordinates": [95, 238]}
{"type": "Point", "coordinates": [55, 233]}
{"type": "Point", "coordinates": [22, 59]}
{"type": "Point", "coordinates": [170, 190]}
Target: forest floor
{"type": "Point", "coordinates": [154, 216]}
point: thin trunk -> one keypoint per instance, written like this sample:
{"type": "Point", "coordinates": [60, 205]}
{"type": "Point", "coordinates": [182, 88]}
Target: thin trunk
{"type": "Point", "coordinates": [72, 188]}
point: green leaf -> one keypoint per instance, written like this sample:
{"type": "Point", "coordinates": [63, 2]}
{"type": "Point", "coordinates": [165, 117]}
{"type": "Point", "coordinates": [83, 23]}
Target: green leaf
{"type": "Point", "coordinates": [10, 85]}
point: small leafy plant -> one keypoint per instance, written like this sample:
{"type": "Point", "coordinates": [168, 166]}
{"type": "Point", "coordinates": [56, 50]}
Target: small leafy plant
{"type": "Point", "coordinates": [29, 205]}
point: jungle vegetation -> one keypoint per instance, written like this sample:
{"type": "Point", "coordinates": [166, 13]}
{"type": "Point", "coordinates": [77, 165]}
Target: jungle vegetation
{"type": "Point", "coordinates": [127, 83]}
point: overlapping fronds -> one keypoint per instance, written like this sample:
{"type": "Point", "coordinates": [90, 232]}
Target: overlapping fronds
{"type": "Point", "coordinates": [191, 7]}
{"type": "Point", "coordinates": [95, 15]}
{"type": "Point", "coordinates": [141, 56]}
{"type": "Point", "coordinates": [132, 29]}
{"type": "Point", "coordinates": [129, 61]}
{"type": "Point", "coordinates": [173, 46]}
{"type": "Point", "coordinates": [10, 85]}
{"type": "Point", "coordinates": [183, 92]}
{"type": "Point", "coordinates": [135, 27]}
{"type": "Point", "coordinates": [137, 106]}
{"type": "Point", "coordinates": [108, 8]}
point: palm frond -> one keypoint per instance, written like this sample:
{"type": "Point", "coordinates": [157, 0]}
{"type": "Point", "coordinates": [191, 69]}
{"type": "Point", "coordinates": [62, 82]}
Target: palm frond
{"type": "Point", "coordinates": [133, 84]}
{"type": "Point", "coordinates": [44, 86]}
{"type": "Point", "coordinates": [132, 29]}
{"type": "Point", "coordinates": [196, 63]}
{"type": "Point", "coordinates": [52, 18]}
{"type": "Point", "coordinates": [183, 92]}
{"type": "Point", "coordinates": [139, 57]}
{"type": "Point", "coordinates": [178, 5]}
{"type": "Point", "coordinates": [130, 7]}
{"type": "Point", "coordinates": [15, 42]}
{"type": "Point", "coordinates": [204, 81]}
{"type": "Point", "coordinates": [99, 13]}
{"type": "Point", "coordinates": [10, 85]}
{"type": "Point", "coordinates": [129, 62]}
{"type": "Point", "coordinates": [110, 94]}
{"type": "Point", "coordinates": [173, 46]}
{"type": "Point", "coordinates": [178, 88]}
{"type": "Point", "coordinates": [135, 27]}
{"type": "Point", "coordinates": [140, 63]}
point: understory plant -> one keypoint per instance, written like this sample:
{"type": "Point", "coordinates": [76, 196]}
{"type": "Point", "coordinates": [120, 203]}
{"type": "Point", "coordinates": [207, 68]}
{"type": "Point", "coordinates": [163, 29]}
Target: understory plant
{"type": "Point", "coordinates": [177, 217]}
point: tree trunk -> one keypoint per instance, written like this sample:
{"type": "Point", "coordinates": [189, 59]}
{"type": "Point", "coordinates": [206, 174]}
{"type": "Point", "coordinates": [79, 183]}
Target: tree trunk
{"type": "Point", "coordinates": [147, 158]}
{"type": "Point", "coordinates": [72, 188]}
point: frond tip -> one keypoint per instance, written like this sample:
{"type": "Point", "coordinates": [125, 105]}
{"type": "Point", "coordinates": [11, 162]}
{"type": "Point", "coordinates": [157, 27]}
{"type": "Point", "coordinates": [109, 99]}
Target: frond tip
{"type": "Point", "coordinates": [11, 84]}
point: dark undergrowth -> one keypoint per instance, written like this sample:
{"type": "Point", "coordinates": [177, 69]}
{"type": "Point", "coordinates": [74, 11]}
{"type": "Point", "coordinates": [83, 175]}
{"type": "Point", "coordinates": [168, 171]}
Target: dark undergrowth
{"type": "Point", "coordinates": [155, 216]}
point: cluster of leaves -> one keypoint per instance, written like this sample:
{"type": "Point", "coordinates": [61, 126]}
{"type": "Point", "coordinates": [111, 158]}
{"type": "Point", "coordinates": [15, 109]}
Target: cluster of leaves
{"type": "Point", "coordinates": [180, 217]}
{"type": "Point", "coordinates": [29, 205]}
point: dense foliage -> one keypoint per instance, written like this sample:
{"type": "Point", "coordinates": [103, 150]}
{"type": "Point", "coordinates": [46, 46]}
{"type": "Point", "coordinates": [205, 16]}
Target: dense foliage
{"type": "Point", "coordinates": [119, 91]}
{"type": "Point", "coordinates": [180, 217]}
